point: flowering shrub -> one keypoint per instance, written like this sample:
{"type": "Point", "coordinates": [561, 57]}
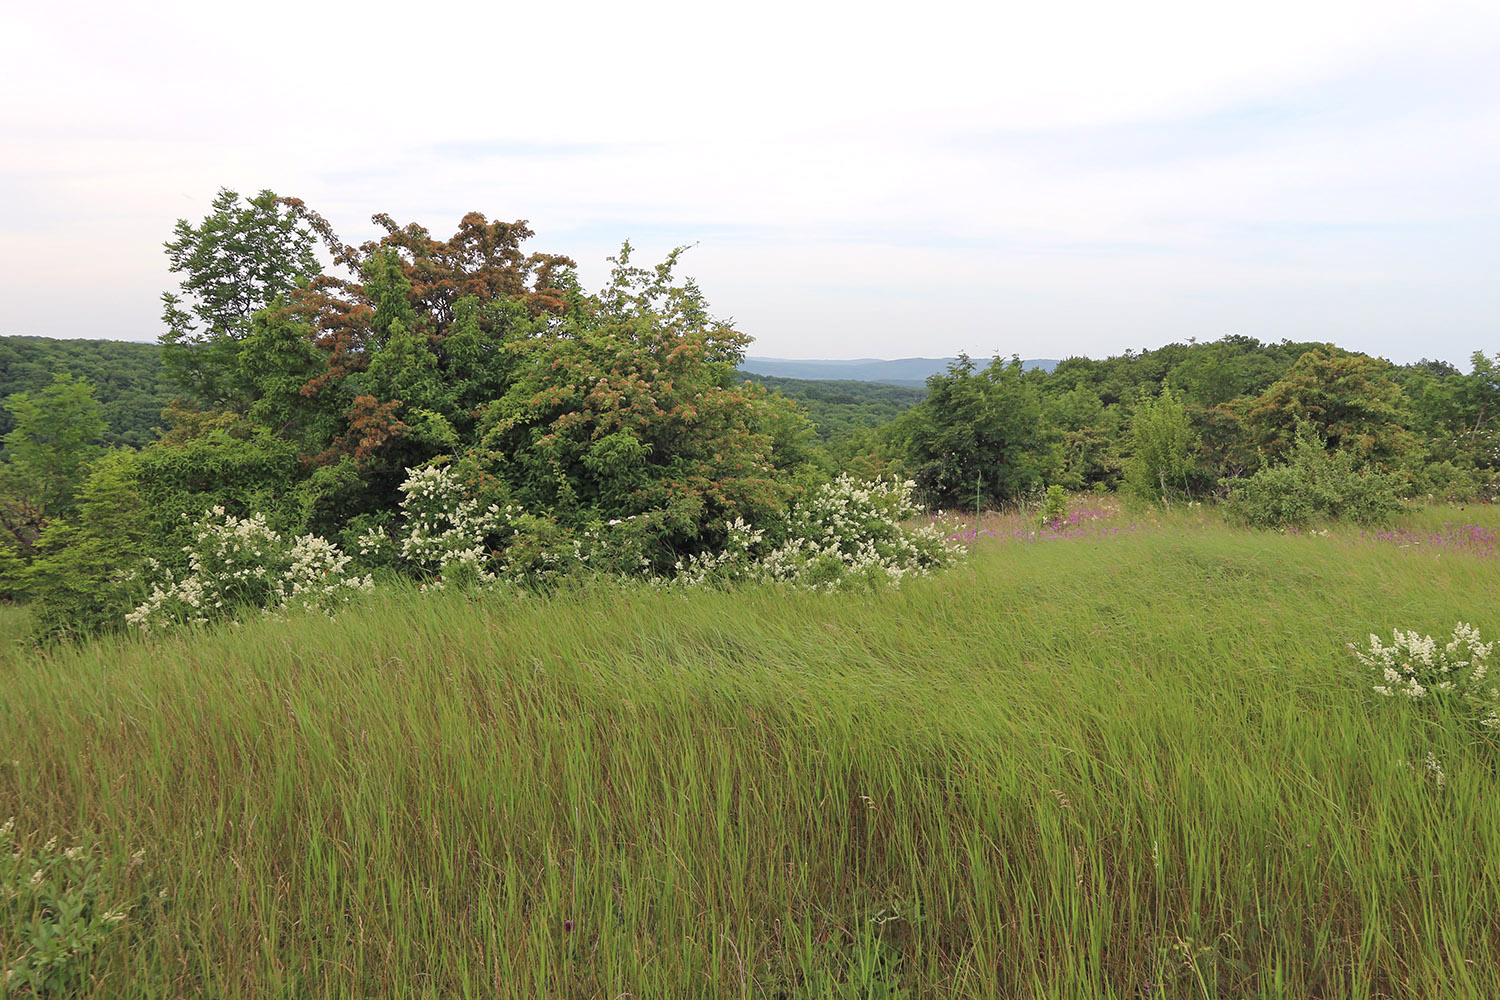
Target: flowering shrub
{"type": "Point", "coordinates": [241, 562]}
{"type": "Point", "coordinates": [52, 915]}
{"type": "Point", "coordinates": [1417, 668]}
{"type": "Point", "coordinates": [455, 529]}
{"type": "Point", "coordinates": [448, 529]}
{"type": "Point", "coordinates": [846, 531]}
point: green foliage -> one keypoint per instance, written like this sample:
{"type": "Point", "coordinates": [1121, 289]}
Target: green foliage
{"type": "Point", "coordinates": [55, 435]}
{"type": "Point", "coordinates": [976, 439]}
{"type": "Point", "coordinates": [633, 409]}
{"type": "Point", "coordinates": [1315, 484]}
{"type": "Point", "coordinates": [1349, 400]}
{"type": "Point", "coordinates": [1163, 446]}
{"type": "Point", "coordinates": [55, 913]}
{"type": "Point", "coordinates": [1457, 418]}
{"type": "Point", "coordinates": [1054, 505]}
{"type": "Point", "coordinates": [85, 572]}
{"type": "Point", "coordinates": [839, 410]}
{"type": "Point", "coordinates": [1084, 437]}
{"type": "Point", "coordinates": [239, 466]}
{"type": "Point", "coordinates": [127, 380]}
{"type": "Point", "coordinates": [233, 264]}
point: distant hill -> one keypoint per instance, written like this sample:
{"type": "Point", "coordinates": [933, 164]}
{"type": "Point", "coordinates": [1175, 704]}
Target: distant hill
{"type": "Point", "coordinates": [906, 371]}
{"type": "Point", "coordinates": [127, 380]}
{"type": "Point", "coordinates": [844, 407]}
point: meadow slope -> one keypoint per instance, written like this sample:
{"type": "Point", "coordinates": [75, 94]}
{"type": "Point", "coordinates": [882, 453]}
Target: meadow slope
{"type": "Point", "coordinates": [1133, 765]}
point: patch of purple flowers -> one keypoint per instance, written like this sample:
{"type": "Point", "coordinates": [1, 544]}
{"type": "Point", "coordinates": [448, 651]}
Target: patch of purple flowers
{"type": "Point", "coordinates": [1086, 519]}
{"type": "Point", "coordinates": [1475, 539]}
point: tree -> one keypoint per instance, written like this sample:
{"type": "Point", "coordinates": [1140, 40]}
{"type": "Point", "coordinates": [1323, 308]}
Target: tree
{"type": "Point", "coordinates": [83, 575]}
{"type": "Point", "coordinates": [235, 263]}
{"type": "Point", "coordinates": [1350, 402]}
{"type": "Point", "coordinates": [976, 439]}
{"type": "Point", "coordinates": [630, 406]}
{"type": "Point", "coordinates": [1164, 443]}
{"type": "Point", "coordinates": [1457, 417]}
{"type": "Point", "coordinates": [55, 437]}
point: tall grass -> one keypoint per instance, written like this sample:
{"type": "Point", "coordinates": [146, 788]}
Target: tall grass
{"type": "Point", "coordinates": [1131, 765]}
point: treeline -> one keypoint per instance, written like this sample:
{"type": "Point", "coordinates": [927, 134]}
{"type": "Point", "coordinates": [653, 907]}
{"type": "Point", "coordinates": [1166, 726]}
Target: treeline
{"type": "Point", "coordinates": [127, 380]}
{"type": "Point", "coordinates": [1199, 421]}
{"type": "Point", "coordinates": [840, 409]}
{"type": "Point", "coordinates": [305, 395]}
{"type": "Point", "coordinates": [561, 416]}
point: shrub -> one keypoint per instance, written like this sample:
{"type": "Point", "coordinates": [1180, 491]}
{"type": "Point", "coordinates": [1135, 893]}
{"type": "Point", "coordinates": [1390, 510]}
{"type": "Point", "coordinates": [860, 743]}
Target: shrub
{"type": "Point", "coordinates": [845, 532]}
{"type": "Point", "coordinates": [237, 563]}
{"type": "Point", "coordinates": [1416, 668]}
{"type": "Point", "coordinates": [54, 913]}
{"type": "Point", "coordinates": [1315, 484]}
{"type": "Point", "coordinates": [1054, 507]}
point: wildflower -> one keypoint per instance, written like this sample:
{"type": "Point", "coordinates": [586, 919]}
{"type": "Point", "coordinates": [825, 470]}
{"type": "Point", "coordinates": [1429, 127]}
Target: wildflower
{"type": "Point", "coordinates": [1435, 769]}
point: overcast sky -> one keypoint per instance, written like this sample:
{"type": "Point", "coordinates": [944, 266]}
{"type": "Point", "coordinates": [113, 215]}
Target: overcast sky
{"type": "Point", "coordinates": [1045, 179]}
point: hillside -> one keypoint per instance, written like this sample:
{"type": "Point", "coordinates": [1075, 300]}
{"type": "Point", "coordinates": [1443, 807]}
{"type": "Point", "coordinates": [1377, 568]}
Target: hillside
{"type": "Point", "coordinates": [1139, 762]}
{"type": "Point", "coordinates": [906, 371]}
{"type": "Point", "coordinates": [840, 408]}
{"type": "Point", "coordinates": [126, 377]}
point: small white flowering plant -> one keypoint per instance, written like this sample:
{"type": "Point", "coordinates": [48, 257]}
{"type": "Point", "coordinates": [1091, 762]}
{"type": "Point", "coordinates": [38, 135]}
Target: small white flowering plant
{"type": "Point", "coordinates": [457, 528]}
{"type": "Point", "coordinates": [235, 563]}
{"type": "Point", "coordinates": [56, 908]}
{"type": "Point", "coordinates": [845, 532]}
{"type": "Point", "coordinates": [1418, 668]}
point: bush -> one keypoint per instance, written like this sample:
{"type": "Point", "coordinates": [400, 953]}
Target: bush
{"type": "Point", "coordinates": [1415, 668]}
{"type": "Point", "coordinates": [238, 563]}
{"type": "Point", "coordinates": [53, 915]}
{"type": "Point", "coordinates": [1315, 485]}
{"type": "Point", "coordinates": [843, 533]}
{"type": "Point", "coordinates": [1054, 507]}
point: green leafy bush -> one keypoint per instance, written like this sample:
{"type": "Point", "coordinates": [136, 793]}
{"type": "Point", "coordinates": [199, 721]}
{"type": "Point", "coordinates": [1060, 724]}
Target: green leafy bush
{"type": "Point", "coordinates": [56, 908]}
{"type": "Point", "coordinates": [1315, 485]}
{"type": "Point", "coordinates": [1054, 505]}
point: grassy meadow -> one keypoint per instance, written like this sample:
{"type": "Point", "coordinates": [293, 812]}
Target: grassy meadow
{"type": "Point", "coordinates": [1133, 762]}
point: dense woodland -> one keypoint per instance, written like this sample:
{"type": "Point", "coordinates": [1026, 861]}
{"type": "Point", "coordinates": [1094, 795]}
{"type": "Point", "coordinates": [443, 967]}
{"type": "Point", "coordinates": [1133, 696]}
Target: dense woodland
{"type": "Point", "coordinates": [126, 378]}
{"type": "Point", "coordinates": [301, 378]}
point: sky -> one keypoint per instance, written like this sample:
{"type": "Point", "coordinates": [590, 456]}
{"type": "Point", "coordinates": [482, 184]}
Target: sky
{"type": "Point", "coordinates": [855, 180]}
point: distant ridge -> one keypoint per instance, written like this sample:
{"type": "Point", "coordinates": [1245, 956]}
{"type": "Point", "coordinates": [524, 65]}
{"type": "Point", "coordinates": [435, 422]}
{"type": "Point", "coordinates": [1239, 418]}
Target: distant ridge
{"type": "Point", "coordinates": [905, 371]}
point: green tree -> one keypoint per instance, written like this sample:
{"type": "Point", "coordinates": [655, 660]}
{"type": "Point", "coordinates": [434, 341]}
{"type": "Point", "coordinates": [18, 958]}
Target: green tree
{"type": "Point", "coordinates": [1349, 400]}
{"type": "Point", "coordinates": [631, 407]}
{"type": "Point", "coordinates": [977, 437]}
{"type": "Point", "coordinates": [56, 434]}
{"type": "Point", "coordinates": [84, 575]}
{"type": "Point", "coordinates": [233, 264]}
{"type": "Point", "coordinates": [1163, 445]}
{"type": "Point", "coordinates": [1457, 418]}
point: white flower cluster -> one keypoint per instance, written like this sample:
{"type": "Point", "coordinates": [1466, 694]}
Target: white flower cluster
{"type": "Point", "coordinates": [241, 562]}
{"type": "Point", "coordinates": [847, 531]}
{"type": "Point", "coordinates": [1417, 667]}
{"type": "Point", "coordinates": [444, 529]}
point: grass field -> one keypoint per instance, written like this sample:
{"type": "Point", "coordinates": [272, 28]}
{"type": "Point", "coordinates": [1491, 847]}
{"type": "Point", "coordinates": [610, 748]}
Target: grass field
{"type": "Point", "coordinates": [1134, 764]}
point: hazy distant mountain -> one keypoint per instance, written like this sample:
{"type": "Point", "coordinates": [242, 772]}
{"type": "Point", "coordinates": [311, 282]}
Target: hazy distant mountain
{"type": "Point", "coordinates": [906, 371]}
